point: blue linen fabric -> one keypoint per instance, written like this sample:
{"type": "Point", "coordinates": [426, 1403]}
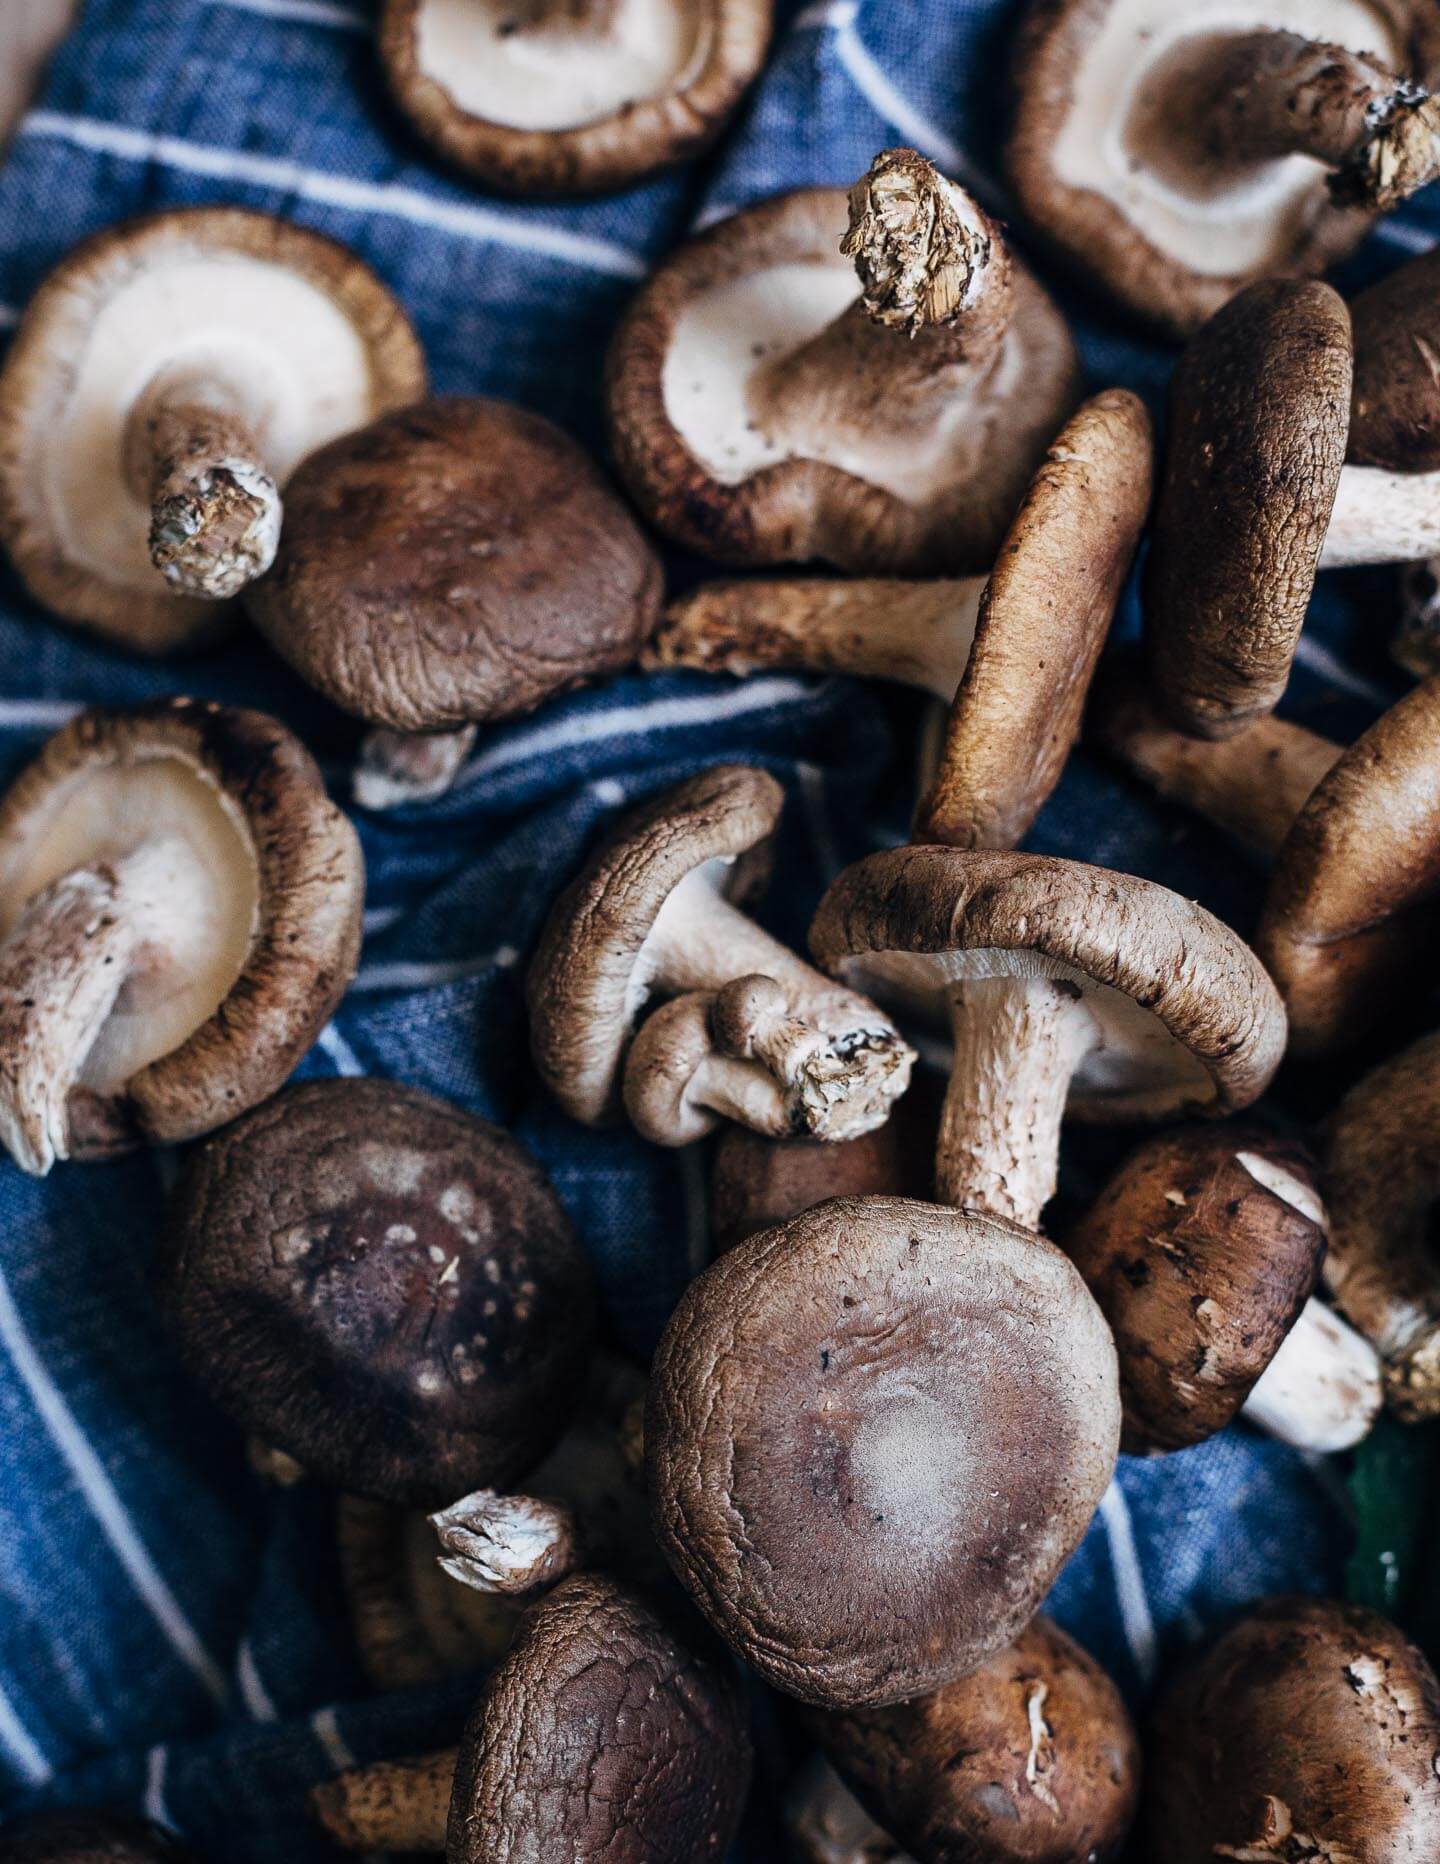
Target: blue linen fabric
{"type": "Point", "coordinates": [171, 1635]}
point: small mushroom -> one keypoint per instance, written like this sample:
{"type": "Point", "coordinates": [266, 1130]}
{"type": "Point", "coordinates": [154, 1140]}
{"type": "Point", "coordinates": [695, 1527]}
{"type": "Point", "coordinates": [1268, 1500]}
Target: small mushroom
{"type": "Point", "coordinates": [1010, 654]}
{"type": "Point", "coordinates": [382, 1285]}
{"type": "Point", "coordinates": [571, 96]}
{"type": "Point", "coordinates": [459, 561]}
{"type": "Point", "coordinates": [1174, 156]}
{"type": "Point", "coordinates": [652, 913]}
{"type": "Point", "coordinates": [180, 910]}
{"type": "Point", "coordinates": [765, 409]}
{"type": "Point", "coordinates": [72, 1837]}
{"type": "Point", "coordinates": [1203, 1250]}
{"type": "Point", "coordinates": [1308, 1730]}
{"type": "Point", "coordinates": [163, 384]}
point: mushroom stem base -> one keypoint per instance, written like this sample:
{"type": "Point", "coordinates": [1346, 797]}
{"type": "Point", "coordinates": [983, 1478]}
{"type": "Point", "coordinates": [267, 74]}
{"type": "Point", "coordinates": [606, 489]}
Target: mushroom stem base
{"type": "Point", "coordinates": [516, 1545]}
{"type": "Point", "coordinates": [398, 768]}
{"type": "Point", "coordinates": [1321, 1392]}
{"type": "Point", "coordinates": [396, 1805]}
{"type": "Point", "coordinates": [214, 508]}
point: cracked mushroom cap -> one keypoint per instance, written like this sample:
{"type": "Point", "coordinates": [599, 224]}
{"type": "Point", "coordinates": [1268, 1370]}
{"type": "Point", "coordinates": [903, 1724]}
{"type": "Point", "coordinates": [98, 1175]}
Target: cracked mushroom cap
{"type": "Point", "coordinates": [382, 1286]}
{"type": "Point", "coordinates": [1395, 409]}
{"type": "Point", "coordinates": [461, 559]}
{"type": "Point", "coordinates": [874, 1434]}
{"type": "Point", "coordinates": [605, 1733]}
{"type": "Point", "coordinates": [88, 1838]}
{"type": "Point", "coordinates": [1031, 1759]}
{"type": "Point", "coordinates": [537, 97]}
{"type": "Point", "coordinates": [1309, 1729]}
{"type": "Point", "coordinates": [246, 947]}
{"type": "Point", "coordinates": [300, 337]}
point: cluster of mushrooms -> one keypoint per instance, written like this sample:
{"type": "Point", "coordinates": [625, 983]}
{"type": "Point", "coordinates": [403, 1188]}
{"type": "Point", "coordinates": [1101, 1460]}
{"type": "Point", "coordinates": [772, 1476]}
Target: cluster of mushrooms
{"type": "Point", "coordinates": [884, 1416]}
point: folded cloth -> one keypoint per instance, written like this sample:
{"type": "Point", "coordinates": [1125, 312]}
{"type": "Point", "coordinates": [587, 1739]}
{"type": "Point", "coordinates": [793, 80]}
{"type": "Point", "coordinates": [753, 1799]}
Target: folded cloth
{"type": "Point", "coordinates": [171, 1634]}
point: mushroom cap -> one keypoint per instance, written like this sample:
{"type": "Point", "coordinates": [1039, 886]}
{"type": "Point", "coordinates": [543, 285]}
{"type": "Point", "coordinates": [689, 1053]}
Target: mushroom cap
{"type": "Point", "coordinates": [1259, 410]}
{"type": "Point", "coordinates": [253, 791]}
{"type": "Point", "coordinates": [1043, 620]}
{"type": "Point", "coordinates": [633, 138]}
{"type": "Point", "coordinates": [1309, 1729]}
{"type": "Point", "coordinates": [460, 559]}
{"type": "Point", "coordinates": [71, 1837]}
{"type": "Point", "coordinates": [1201, 1249]}
{"type": "Point", "coordinates": [1395, 405]}
{"type": "Point", "coordinates": [381, 1285]}
{"type": "Point", "coordinates": [1352, 906]}
{"type": "Point", "coordinates": [798, 509]}
{"type": "Point", "coordinates": [1189, 1020]}
{"type": "Point", "coordinates": [1031, 1759]}
{"type": "Point", "coordinates": [92, 309]}
{"type": "Point", "coordinates": [582, 987]}
{"type": "Point", "coordinates": [605, 1733]}
{"type": "Point", "coordinates": [874, 1434]}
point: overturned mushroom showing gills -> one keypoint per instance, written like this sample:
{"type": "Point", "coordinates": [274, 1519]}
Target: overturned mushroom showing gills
{"type": "Point", "coordinates": [1175, 155]}
{"type": "Point", "coordinates": [163, 384]}
{"type": "Point", "coordinates": [570, 96]}
{"type": "Point", "coordinates": [180, 910]}
{"type": "Point", "coordinates": [766, 408]}
{"type": "Point", "coordinates": [1307, 1730]}
{"type": "Point", "coordinates": [772, 1042]}
{"type": "Point", "coordinates": [383, 1286]}
{"type": "Point", "coordinates": [72, 1837]}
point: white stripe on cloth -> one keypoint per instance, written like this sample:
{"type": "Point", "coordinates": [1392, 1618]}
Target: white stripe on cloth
{"type": "Point", "coordinates": [420, 973]}
{"type": "Point", "coordinates": [153, 1804]}
{"type": "Point", "coordinates": [1129, 1581]}
{"type": "Point", "coordinates": [341, 191]}
{"type": "Point", "coordinates": [37, 714]}
{"type": "Point", "coordinates": [332, 1043]}
{"type": "Point", "coordinates": [302, 13]}
{"type": "Point", "coordinates": [253, 1692]}
{"type": "Point", "coordinates": [103, 1501]}
{"type": "Point", "coordinates": [22, 1747]}
{"type": "Point", "coordinates": [326, 1728]}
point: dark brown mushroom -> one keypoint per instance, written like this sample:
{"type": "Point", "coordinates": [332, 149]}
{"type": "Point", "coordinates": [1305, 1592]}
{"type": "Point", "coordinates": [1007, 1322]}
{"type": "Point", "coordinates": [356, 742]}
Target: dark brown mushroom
{"type": "Point", "coordinates": [88, 1838]}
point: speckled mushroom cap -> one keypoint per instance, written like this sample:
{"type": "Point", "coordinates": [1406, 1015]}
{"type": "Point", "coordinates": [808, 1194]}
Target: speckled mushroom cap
{"type": "Point", "coordinates": [1031, 1759]}
{"type": "Point", "coordinates": [605, 1733]}
{"type": "Point", "coordinates": [1395, 410]}
{"type": "Point", "coordinates": [1259, 409]}
{"type": "Point", "coordinates": [873, 1435]}
{"type": "Point", "coordinates": [87, 1838]}
{"type": "Point", "coordinates": [257, 282]}
{"type": "Point", "coordinates": [1309, 1729]}
{"type": "Point", "coordinates": [382, 1286]}
{"type": "Point", "coordinates": [663, 95]}
{"type": "Point", "coordinates": [1190, 1021]}
{"type": "Point", "coordinates": [460, 559]}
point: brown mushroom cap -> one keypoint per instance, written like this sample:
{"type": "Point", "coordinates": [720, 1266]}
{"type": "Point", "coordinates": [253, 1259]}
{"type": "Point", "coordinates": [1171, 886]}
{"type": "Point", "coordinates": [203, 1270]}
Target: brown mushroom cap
{"type": "Point", "coordinates": [383, 1286]}
{"type": "Point", "coordinates": [124, 302]}
{"type": "Point", "coordinates": [873, 1435]}
{"type": "Point", "coordinates": [648, 97]}
{"type": "Point", "coordinates": [461, 559]}
{"type": "Point", "coordinates": [1259, 408]}
{"type": "Point", "coordinates": [1031, 1759]}
{"type": "Point", "coordinates": [1308, 1730]}
{"type": "Point", "coordinates": [246, 800]}
{"type": "Point", "coordinates": [605, 1733]}
{"type": "Point", "coordinates": [71, 1837]}
{"type": "Point", "coordinates": [1395, 410]}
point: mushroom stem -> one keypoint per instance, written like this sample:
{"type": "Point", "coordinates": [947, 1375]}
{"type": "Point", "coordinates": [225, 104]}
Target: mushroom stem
{"type": "Point", "coordinates": [391, 1805]}
{"type": "Point", "coordinates": [567, 16]}
{"type": "Point", "coordinates": [397, 768]}
{"type": "Point", "coordinates": [514, 1545]}
{"type": "Point", "coordinates": [932, 266]}
{"type": "Point", "coordinates": [1018, 1041]}
{"type": "Point", "coordinates": [1382, 517]}
{"type": "Point", "coordinates": [919, 633]}
{"type": "Point", "coordinates": [1321, 1392]}
{"type": "Point", "coordinates": [677, 1087]}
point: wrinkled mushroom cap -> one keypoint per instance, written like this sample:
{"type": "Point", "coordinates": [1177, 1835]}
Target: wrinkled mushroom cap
{"type": "Point", "coordinates": [247, 796]}
{"type": "Point", "coordinates": [605, 1733]}
{"type": "Point", "coordinates": [873, 1435]}
{"type": "Point", "coordinates": [87, 1838]}
{"type": "Point", "coordinates": [1188, 1019]}
{"type": "Point", "coordinates": [382, 1286]}
{"type": "Point", "coordinates": [181, 286]}
{"type": "Point", "coordinates": [1395, 410]}
{"type": "Point", "coordinates": [460, 559]}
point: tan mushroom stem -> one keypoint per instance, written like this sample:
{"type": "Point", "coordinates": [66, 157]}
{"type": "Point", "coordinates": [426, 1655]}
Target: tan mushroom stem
{"type": "Point", "coordinates": [1382, 517]}
{"type": "Point", "coordinates": [1321, 1392]}
{"type": "Point", "coordinates": [391, 1805]}
{"type": "Point", "coordinates": [1223, 102]}
{"type": "Point", "coordinates": [513, 1545]}
{"type": "Point", "coordinates": [936, 294]}
{"type": "Point", "coordinates": [396, 768]}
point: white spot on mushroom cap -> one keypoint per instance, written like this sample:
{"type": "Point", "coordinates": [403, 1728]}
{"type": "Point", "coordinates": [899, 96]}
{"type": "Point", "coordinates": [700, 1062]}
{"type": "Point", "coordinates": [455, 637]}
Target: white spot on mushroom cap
{"type": "Point", "coordinates": [393, 1169]}
{"type": "Point", "coordinates": [457, 1204]}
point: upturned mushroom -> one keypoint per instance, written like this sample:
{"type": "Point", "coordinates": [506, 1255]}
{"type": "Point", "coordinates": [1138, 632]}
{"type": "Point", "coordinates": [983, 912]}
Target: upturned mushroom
{"type": "Point", "coordinates": [180, 912]}
{"type": "Point", "coordinates": [764, 408]}
{"type": "Point", "coordinates": [1175, 155]}
{"type": "Point", "coordinates": [1308, 1730]}
{"type": "Point", "coordinates": [381, 1285]}
{"type": "Point", "coordinates": [571, 96]}
{"type": "Point", "coordinates": [72, 1837]}
{"type": "Point", "coordinates": [1011, 654]}
{"type": "Point", "coordinates": [1203, 1250]}
{"type": "Point", "coordinates": [771, 1042]}
{"type": "Point", "coordinates": [164, 382]}
{"type": "Point", "coordinates": [457, 562]}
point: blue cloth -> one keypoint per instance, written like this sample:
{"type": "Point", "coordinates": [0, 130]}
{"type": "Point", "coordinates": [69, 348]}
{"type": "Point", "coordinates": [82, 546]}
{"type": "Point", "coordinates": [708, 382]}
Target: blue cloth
{"type": "Point", "coordinates": [171, 1638]}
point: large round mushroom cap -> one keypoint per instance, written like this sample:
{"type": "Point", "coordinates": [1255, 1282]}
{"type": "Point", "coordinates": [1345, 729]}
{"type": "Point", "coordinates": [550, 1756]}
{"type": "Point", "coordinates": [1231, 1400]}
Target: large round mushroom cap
{"type": "Point", "coordinates": [382, 1286]}
{"type": "Point", "coordinates": [873, 1435]}
{"type": "Point", "coordinates": [1310, 1729]}
{"type": "Point", "coordinates": [88, 1838]}
{"type": "Point", "coordinates": [458, 560]}
{"type": "Point", "coordinates": [605, 1733]}
{"type": "Point", "coordinates": [313, 340]}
